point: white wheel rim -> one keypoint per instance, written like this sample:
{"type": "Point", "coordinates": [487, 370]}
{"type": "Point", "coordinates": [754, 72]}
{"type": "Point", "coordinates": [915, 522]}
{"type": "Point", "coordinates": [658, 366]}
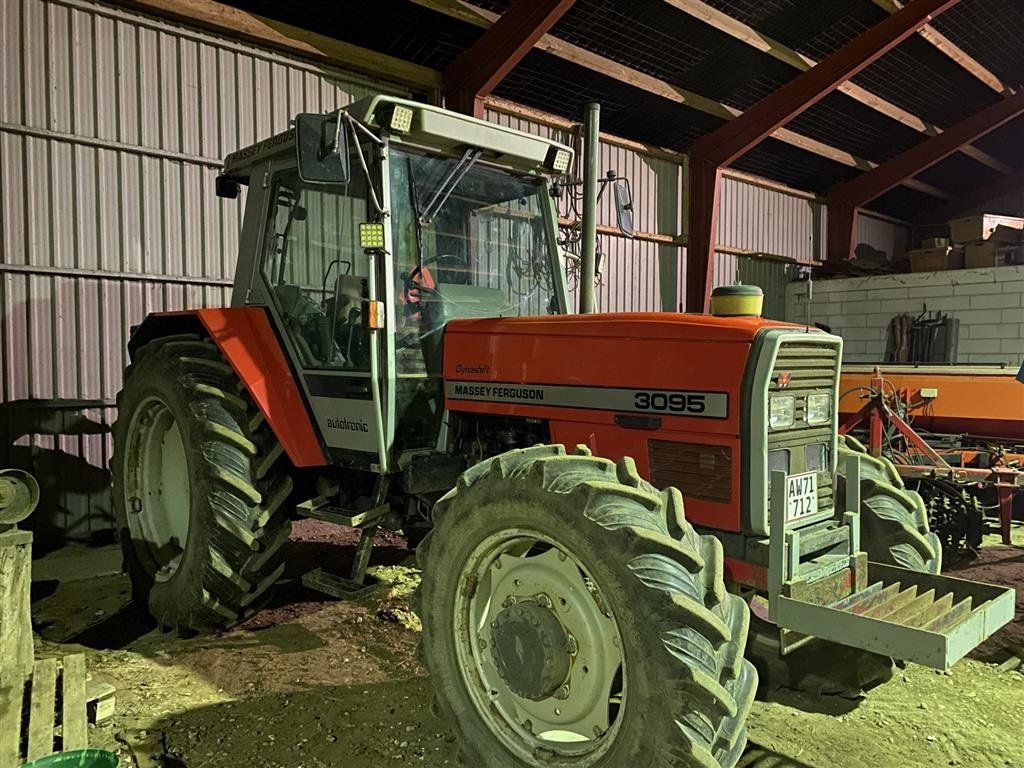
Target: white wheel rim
{"type": "Point", "coordinates": [580, 723]}
{"type": "Point", "coordinates": [157, 490]}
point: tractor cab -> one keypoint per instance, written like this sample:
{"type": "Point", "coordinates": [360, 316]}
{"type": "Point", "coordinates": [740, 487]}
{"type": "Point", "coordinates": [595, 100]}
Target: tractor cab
{"type": "Point", "coordinates": [366, 231]}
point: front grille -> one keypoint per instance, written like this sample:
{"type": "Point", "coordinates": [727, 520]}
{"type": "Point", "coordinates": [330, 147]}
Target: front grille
{"type": "Point", "coordinates": [699, 471]}
{"type": "Point", "coordinates": [809, 366]}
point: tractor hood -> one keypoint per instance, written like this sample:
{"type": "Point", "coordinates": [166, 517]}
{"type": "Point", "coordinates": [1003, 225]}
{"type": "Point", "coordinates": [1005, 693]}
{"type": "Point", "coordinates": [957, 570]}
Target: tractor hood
{"type": "Point", "coordinates": [534, 361]}
{"type": "Point", "coordinates": [623, 326]}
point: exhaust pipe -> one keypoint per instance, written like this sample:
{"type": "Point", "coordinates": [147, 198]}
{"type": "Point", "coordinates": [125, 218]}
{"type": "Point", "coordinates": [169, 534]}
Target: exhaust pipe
{"type": "Point", "coordinates": [588, 250]}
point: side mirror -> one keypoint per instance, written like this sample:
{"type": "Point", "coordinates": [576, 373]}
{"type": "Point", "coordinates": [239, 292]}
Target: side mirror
{"type": "Point", "coordinates": [624, 207]}
{"type": "Point", "coordinates": [228, 186]}
{"type": "Point", "coordinates": [321, 146]}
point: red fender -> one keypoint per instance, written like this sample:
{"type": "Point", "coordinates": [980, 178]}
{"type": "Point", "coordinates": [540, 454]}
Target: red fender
{"type": "Point", "coordinates": [246, 338]}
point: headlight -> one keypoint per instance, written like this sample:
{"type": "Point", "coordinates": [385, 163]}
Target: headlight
{"type": "Point", "coordinates": [781, 411]}
{"type": "Point", "coordinates": [819, 408]}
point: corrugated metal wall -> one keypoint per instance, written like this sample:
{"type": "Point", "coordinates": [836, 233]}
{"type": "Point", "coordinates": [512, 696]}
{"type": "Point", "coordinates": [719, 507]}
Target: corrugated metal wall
{"type": "Point", "coordinates": [882, 235]}
{"type": "Point", "coordinates": [756, 218]}
{"type": "Point", "coordinates": [766, 220]}
{"type": "Point", "coordinates": [111, 127]}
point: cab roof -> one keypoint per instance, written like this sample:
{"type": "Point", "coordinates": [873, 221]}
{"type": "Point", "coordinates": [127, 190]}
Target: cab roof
{"type": "Point", "coordinates": [432, 127]}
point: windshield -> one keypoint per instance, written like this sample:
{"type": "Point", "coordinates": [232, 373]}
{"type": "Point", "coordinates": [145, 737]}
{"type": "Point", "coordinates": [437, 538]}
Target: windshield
{"type": "Point", "coordinates": [470, 241]}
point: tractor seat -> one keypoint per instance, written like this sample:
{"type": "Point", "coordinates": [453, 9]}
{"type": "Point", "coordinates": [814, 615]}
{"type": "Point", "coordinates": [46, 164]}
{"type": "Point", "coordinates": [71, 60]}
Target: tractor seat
{"type": "Point", "coordinates": [349, 295]}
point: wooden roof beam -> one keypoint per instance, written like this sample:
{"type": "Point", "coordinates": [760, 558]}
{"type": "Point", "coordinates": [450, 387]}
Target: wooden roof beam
{"type": "Point", "coordinates": [239, 24]}
{"type": "Point", "coordinates": [747, 34]}
{"type": "Point", "coordinates": [952, 50]}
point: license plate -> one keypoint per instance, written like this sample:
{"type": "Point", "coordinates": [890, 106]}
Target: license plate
{"type": "Point", "coordinates": [801, 496]}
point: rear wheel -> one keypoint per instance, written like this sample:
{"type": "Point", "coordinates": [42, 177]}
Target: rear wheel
{"type": "Point", "coordinates": [893, 520]}
{"type": "Point", "coordinates": [199, 486]}
{"type": "Point", "coordinates": [572, 616]}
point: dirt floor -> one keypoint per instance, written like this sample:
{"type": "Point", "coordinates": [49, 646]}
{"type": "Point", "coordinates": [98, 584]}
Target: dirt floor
{"type": "Point", "coordinates": [310, 682]}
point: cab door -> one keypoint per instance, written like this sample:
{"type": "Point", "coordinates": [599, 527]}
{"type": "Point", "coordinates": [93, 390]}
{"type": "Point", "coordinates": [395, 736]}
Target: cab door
{"type": "Point", "coordinates": [309, 270]}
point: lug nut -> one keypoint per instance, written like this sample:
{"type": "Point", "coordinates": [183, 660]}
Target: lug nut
{"type": "Point", "coordinates": [562, 693]}
{"type": "Point", "coordinates": [543, 601]}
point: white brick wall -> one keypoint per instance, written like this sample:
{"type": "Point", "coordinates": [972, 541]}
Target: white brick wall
{"type": "Point", "coordinates": [988, 302]}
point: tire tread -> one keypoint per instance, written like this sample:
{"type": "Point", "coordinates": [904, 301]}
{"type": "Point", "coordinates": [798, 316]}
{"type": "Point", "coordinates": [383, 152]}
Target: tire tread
{"type": "Point", "coordinates": [245, 478]}
{"type": "Point", "coordinates": [704, 629]}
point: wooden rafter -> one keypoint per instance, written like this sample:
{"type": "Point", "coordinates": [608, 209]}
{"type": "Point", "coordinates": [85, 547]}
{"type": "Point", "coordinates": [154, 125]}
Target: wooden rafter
{"type": "Point", "coordinates": [239, 24]}
{"type": "Point", "coordinates": [469, 13]}
{"type": "Point", "coordinates": [953, 51]}
{"type": "Point", "coordinates": [747, 34]}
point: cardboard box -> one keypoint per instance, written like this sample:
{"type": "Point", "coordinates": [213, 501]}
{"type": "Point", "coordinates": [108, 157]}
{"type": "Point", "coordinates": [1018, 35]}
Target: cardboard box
{"type": "Point", "coordinates": [972, 229]}
{"type": "Point", "coordinates": [992, 253]}
{"type": "Point", "coordinates": [1004, 234]}
{"type": "Point", "coordinates": [935, 242]}
{"type": "Point", "coordinates": [936, 259]}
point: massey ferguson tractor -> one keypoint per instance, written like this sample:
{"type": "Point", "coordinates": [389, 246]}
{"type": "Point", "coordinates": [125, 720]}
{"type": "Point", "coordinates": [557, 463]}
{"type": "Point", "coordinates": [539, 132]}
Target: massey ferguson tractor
{"type": "Point", "coordinates": [401, 353]}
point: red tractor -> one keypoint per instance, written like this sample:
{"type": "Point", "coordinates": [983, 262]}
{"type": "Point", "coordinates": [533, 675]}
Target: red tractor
{"type": "Point", "coordinates": [400, 353]}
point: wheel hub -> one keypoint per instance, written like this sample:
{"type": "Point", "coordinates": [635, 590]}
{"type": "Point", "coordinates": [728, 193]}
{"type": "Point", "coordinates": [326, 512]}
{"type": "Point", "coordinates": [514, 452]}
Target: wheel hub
{"type": "Point", "coordinates": [541, 651]}
{"type": "Point", "coordinates": [157, 487]}
{"type": "Point", "coordinates": [531, 650]}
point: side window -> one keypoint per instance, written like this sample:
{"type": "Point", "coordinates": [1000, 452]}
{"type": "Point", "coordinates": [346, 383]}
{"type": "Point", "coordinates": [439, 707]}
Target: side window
{"type": "Point", "coordinates": [316, 270]}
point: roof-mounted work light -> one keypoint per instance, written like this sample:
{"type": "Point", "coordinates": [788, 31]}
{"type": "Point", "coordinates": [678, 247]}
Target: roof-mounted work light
{"type": "Point", "coordinates": [558, 159]}
{"type": "Point", "coordinates": [397, 118]}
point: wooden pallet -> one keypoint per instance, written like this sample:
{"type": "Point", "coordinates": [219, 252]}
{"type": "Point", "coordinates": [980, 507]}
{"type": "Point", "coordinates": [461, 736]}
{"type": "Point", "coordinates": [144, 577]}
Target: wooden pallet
{"type": "Point", "coordinates": [50, 710]}
{"type": "Point", "coordinates": [15, 607]}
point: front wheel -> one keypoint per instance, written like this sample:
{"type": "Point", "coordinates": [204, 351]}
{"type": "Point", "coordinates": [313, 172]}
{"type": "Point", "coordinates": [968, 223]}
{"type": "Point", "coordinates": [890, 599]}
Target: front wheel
{"type": "Point", "coordinates": [564, 623]}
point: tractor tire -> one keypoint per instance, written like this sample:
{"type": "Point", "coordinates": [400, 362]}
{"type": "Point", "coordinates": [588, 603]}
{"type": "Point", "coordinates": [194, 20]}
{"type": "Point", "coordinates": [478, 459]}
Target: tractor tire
{"type": "Point", "coordinates": [199, 488]}
{"type": "Point", "coordinates": [893, 520]}
{"type": "Point", "coordinates": [654, 586]}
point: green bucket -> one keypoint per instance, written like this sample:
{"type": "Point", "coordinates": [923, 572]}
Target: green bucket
{"type": "Point", "coordinates": [80, 758]}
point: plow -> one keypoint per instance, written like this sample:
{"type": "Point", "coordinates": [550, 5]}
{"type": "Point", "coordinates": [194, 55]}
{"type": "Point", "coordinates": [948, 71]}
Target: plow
{"type": "Point", "coordinates": [955, 434]}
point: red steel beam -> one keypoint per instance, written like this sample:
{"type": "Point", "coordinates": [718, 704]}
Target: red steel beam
{"type": "Point", "coordinates": [722, 147]}
{"type": "Point", "coordinates": [478, 70]}
{"type": "Point", "coordinates": [846, 199]}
